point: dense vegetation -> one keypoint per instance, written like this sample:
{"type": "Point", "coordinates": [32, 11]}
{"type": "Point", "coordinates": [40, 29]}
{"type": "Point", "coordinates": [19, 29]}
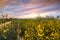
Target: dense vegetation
{"type": "Point", "coordinates": [31, 29]}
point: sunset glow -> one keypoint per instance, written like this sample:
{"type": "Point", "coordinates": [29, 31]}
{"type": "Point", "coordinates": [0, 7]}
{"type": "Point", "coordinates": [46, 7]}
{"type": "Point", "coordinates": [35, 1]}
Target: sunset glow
{"type": "Point", "coordinates": [24, 8]}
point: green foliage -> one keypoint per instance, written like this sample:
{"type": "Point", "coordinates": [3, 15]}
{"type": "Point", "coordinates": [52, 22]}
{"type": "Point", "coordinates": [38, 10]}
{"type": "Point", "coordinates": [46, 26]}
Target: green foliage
{"type": "Point", "coordinates": [31, 29]}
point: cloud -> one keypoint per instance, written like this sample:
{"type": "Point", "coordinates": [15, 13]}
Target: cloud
{"type": "Point", "coordinates": [22, 7]}
{"type": "Point", "coordinates": [22, 2]}
{"type": "Point", "coordinates": [52, 7]}
{"type": "Point", "coordinates": [35, 14]}
{"type": "Point", "coordinates": [7, 2]}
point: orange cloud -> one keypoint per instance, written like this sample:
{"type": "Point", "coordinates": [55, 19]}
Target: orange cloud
{"type": "Point", "coordinates": [2, 2]}
{"type": "Point", "coordinates": [5, 2]}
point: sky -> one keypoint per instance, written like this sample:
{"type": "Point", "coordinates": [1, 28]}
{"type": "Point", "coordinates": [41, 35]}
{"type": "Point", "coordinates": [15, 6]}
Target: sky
{"type": "Point", "coordinates": [27, 8]}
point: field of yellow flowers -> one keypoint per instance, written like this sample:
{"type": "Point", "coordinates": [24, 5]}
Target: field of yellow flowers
{"type": "Point", "coordinates": [31, 29]}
